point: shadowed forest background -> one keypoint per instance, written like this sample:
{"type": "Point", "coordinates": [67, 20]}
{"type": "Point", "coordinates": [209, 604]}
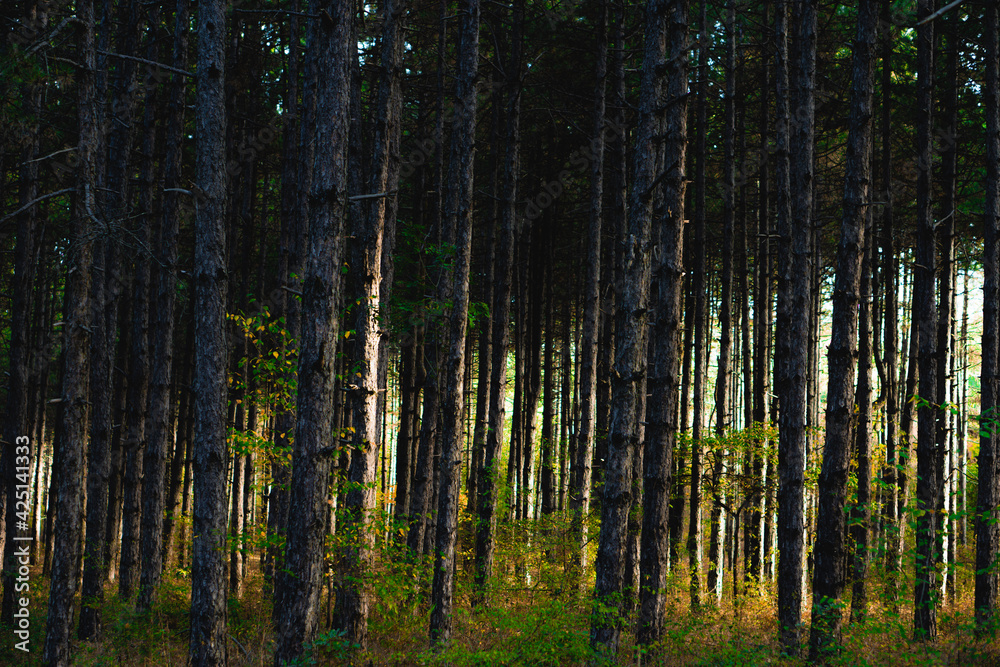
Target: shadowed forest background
{"type": "Point", "coordinates": [521, 332]}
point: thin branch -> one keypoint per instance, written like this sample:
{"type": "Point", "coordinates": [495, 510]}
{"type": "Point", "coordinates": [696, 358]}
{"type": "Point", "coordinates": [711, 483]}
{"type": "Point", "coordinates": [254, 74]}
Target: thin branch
{"type": "Point", "coordinates": [35, 201]}
{"type": "Point", "coordinates": [151, 63]}
{"type": "Point", "coordinates": [377, 195]}
{"type": "Point", "coordinates": [940, 12]}
{"type": "Point", "coordinates": [277, 11]}
{"type": "Point", "coordinates": [46, 157]}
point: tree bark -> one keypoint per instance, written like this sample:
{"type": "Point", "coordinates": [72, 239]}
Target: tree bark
{"type": "Point", "coordinates": [694, 541]}
{"type": "Point", "coordinates": [457, 215]}
{"type": "Point", "coordinates": [663, 385]}
{"type": "Point", "coordinates": [925, 317]}
{"type": "Point", "coordinates": [299, 587]}
{"type": "Point", "coordinates": [489, 471]}
{"type": "Point", "coordinates": [830, 550]}
{"type": "Point", "coordinates": [630, 355]}
{"type": "Point", "coordinates": [68, 503]}
{"type": "Point", "coordinates": [987, 527]}
{"type": "Point", "coordinates": [794, 97]}
{"type": "Point", "coordinates": [208, 582]}
{"type": "Point", "coordinates": [364, 383]}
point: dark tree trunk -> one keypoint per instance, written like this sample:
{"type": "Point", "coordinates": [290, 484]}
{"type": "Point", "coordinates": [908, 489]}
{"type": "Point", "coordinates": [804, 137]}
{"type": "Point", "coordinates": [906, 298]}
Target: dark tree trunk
{"type": "Point", "coordinates": [890, 343]}
{"type": "Point", "coordinates": [208, 582]}
{"type": "Point", "coordinates": [663, 385]}
{"type": "Point", "coordinates": [925, 317]}
{"type": "Point", "coordinates": [630, 354]}
{"type": "Point", "coordinates": [862, 529]}
{"type": "Point", "coordinates": [723, 407]}
{"type": "Point", "coordinates": [581, 465]}
{"type": "Point", "coordinates": [299, 584]}
{"type": "Point", "coordinates": [457, 218]}
{"type": "Point", "coordinates": [761, 327]}
{"type": "Point", "coordinates": [165, 281]}
{"type": "Point", "coordinates": [830, 551]}
{"type": "Point", "coordinates": [796, 72]}
{"type": "Point", "coordinates": [987, 527]}
{"type": "Point", "coordinates": [69, 459]}
{"type": "Point", "coordinates": [366, 265]}
{"type": "Point", "coordinates": [694, 541]}
{"type": "Point", "coordinates": [489, 471]}
{"type": "Point", "coordinates": [945, 225]}
{"type": "Point", "coordinates": [17, 446]}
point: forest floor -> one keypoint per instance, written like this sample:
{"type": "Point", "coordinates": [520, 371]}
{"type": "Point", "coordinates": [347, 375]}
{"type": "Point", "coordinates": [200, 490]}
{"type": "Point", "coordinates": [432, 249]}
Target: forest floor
{"type": "Point", "coordinates": [532, 620]}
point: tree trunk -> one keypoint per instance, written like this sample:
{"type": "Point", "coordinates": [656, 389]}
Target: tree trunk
{"type": "Point", "coordinates": [17, 445]}
{"type": "Point", "coordinates": [794, 97]}
{"type": "Point", "coordinates": [630, 355]}
{"type": "Point", "coordinates": [208, 583]}
{"type": "Point", "coordinates": [862, 529]}
{"type": "Point", "coordinates": [723, 418]}
{"type": "Point", "coordinates": [987, 527]}
{"type": "Point", "coordinates": [890, 308]}
{"type": "Point", "coordinates": [694, 541]}
{"type": "Point", "coordinates": [489, 471]}
{"type": "Point", "coordinates": [366, 264]}
{"type": "Point", "coordinates": [299, 587]}
{"type": "Point", "coordinates": [663, 385]}
{"type": "Point", "coordinates": [70, 457]}
{"type": "Point", "coordinates": [165, 280]}
{"type": "Point", "coordinates": [457, 216]}
{"type": "Point", "coordinates": [830, 551]}
{"type": "Point", "coordinates": [925, 317]}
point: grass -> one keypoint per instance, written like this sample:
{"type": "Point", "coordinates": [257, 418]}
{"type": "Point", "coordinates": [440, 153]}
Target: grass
{"type": "Point", "coordinates": [533, 618]}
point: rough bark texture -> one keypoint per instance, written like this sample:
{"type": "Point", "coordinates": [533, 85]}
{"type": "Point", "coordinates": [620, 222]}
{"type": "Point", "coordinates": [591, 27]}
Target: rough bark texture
{"type": "Point", "coordinates": [890, 339]}
{"type": "Point", "coordinates": [794, 97]}
{"type": "Point", "coordinates": [663, 385]}
{"type": "Point", "coordinates": [694, 521]}
{"type": "Point", "coordinates": [165, 280]}
{"type": "Point", "coordinates": [580, 486]}
{"type": "Point", "coordinates": [630, 352]}
{"type": "Point", "coordinates": [830, 550]}
{"type": "Point", "coordinates": [987, 527]}
{"type": "Point", "coordinates": [70, 457]}
{"type": "Point", "coordinates": [489, 472]}
{"type": "Point", "coordinates": [457, 215]}
{"type": "Point", "coordinates": [366, 264]}
{"type": "Point", "coordinates": [17, 418]}
{"type": "Point", "coordinates": [723, 403]}
{"type": "Point", "coordinates": [208, 580]}
{"type": "Point", "coordinates": [925, 317]}
{"type": "Point", "coordinates": [299, 584]}
{"type": "Point", "coordinates": [862, 530]}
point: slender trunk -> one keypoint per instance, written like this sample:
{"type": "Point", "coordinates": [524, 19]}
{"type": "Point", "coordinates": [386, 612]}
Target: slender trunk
{"type": "Point", "coordinates": [165, 280]}
{"type": "Point", "coordinates": [925, 317]}
{"type": "Point", "coordinates": [723, 406]}
{"type": "Point", "coordinates": [794, 96]}
{"type": "Point", "coordinates": [630, 356]}
{"type": "Point", "coordinates": [70, 456]}
{"type": "Point", "coordinates": [489, 471]}
{"type": "Point", "coordinates": [987, 527]}
{"type": "Point", "coordinates": [457, 214]}
{"type": "Point", "coordinates": [830, 551]}
{"type": "Point", "coordinates": [661, 409]}
{"type": "Point", "coordinates": [694, 541]}
{"type": "Point", "coordinates": [862, 529]}
{"type": "Point", "coordinates": [17, 448]}
{"type": "Point", "coordinates": [890, 345]}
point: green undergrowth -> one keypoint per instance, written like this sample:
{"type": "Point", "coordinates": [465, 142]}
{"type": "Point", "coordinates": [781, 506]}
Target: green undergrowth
{"type": "Point", "coordinates": [533, 614]}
